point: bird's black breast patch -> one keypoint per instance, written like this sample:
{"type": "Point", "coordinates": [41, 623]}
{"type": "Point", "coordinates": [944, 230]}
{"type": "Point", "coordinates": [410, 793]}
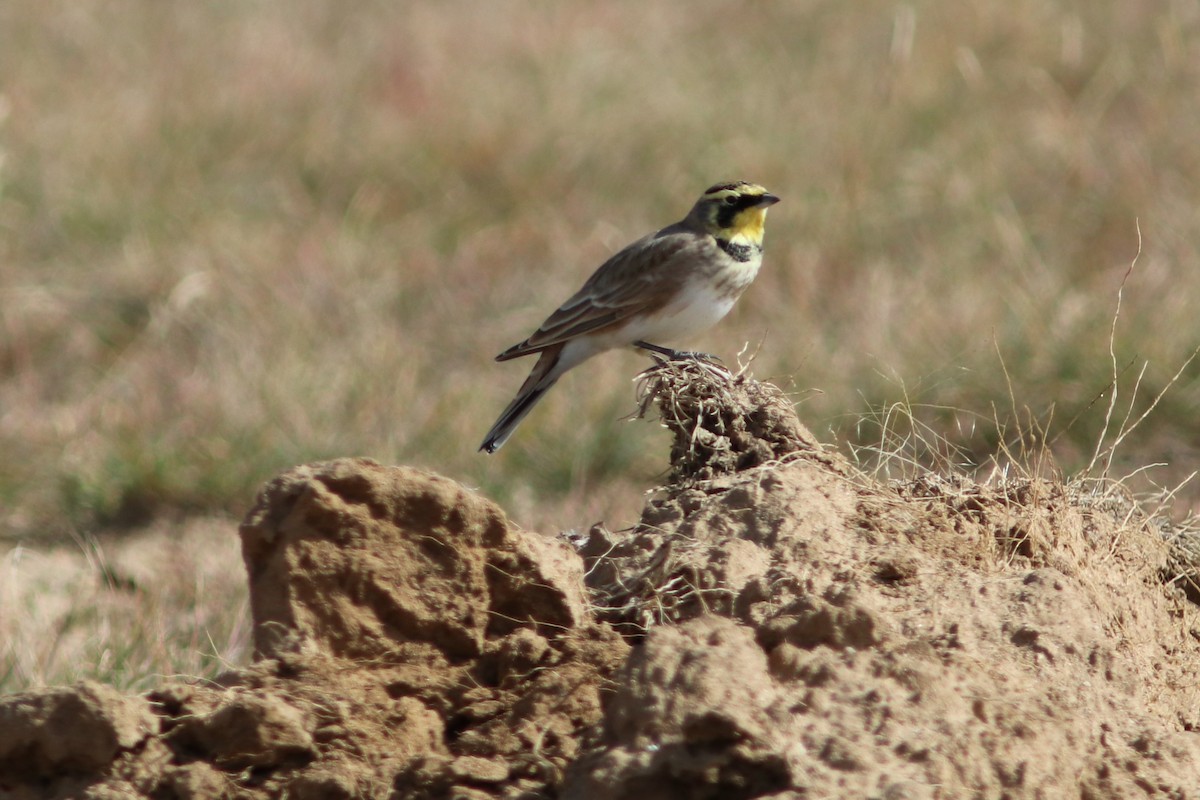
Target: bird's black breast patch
{"type": "Point", "coordinates": [738, 252]}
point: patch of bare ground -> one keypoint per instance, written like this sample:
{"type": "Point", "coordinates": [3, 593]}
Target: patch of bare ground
{"type": "Point", "coordinates": [778, 625]}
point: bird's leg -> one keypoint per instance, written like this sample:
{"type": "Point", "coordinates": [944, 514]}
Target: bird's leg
{"type": "Point", "coordinates": [675, 355]}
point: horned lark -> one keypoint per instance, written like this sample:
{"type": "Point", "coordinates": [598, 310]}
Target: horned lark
{"type": "Point", "coordinates": [666, 286]}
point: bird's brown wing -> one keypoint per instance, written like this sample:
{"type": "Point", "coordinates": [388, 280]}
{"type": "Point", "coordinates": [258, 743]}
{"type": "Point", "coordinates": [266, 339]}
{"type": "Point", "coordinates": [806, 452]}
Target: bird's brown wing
{"type": "Point", "coordinates": [639, 279]}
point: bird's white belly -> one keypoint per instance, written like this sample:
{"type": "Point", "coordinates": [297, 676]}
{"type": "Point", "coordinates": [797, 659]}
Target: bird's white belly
{"type": "Point", "coordinates": [697, 308]}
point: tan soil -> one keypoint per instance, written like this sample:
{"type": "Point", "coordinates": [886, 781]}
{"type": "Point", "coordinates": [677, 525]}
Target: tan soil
{"type": "Point", "coordinates": [778, 626]}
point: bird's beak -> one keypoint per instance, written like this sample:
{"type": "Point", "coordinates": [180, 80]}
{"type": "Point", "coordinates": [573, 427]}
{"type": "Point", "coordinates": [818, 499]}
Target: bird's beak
{"type": "Point", "coordinates": [767, 199]}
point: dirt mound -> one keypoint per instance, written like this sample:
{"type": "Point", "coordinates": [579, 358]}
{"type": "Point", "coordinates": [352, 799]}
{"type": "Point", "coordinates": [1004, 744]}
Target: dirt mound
{"type": "Point", "coordinates": [411, 643]}
{"type": "Point", "coordinates": [933, 640]}
{"type": "Point", "coordinates": [788, 630]}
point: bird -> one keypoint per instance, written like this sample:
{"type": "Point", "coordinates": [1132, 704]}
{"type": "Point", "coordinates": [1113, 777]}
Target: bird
{"type": "Point", "coordinates": [668, 285]}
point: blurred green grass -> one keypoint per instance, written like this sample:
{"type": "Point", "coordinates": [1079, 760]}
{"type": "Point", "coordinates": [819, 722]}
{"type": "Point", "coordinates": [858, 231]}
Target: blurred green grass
{"type": "Point", "coordinates": [235, 237]}
{"type": "Point", "coordinates": [131, 611]}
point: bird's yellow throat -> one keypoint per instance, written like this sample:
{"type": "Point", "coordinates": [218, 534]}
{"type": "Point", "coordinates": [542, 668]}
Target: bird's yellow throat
{"type": "Point", "coordinates": [749, 225]}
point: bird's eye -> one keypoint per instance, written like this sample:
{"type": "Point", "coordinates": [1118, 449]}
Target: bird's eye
{"type": "Point", "coordinates": [731, 200]}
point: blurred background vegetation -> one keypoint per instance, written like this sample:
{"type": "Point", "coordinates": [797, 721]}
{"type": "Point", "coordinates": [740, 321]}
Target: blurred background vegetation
{"type": "Point", "coordinates": [239, 236]}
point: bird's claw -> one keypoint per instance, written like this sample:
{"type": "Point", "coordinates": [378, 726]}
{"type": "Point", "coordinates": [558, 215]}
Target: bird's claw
{"type": "Point", "coordinates": [694, 355]}
{"type": "Point", "coordinates": [677, 355]}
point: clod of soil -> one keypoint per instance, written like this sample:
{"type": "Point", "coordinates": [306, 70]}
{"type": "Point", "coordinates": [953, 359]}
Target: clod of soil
{"type": "Point", "coordinates": [720, 423]}
{"type": "Point", "coordinates": [790, 629]}
{"type": "Point", "coordinates": [62, 731]}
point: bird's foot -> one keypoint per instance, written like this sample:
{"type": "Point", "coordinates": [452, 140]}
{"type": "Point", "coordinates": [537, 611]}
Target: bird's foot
{"type": "Point", "coordinates": [677, 355]}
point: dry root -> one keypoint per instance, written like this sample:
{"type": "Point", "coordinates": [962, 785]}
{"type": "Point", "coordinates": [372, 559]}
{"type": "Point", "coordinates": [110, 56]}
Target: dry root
{"type": "Point", "coordinates": [722, 423]}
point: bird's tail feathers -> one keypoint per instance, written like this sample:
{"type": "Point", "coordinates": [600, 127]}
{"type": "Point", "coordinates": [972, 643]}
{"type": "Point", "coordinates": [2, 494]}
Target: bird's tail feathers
{"type": "Point", "coordinates": [540, 380]}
